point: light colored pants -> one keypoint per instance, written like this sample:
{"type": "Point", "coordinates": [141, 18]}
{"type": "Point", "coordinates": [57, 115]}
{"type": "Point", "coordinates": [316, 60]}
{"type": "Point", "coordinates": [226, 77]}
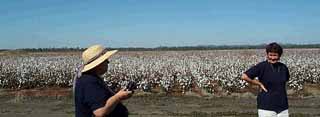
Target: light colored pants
{"type": "Point", "coordinates": [268, 113]}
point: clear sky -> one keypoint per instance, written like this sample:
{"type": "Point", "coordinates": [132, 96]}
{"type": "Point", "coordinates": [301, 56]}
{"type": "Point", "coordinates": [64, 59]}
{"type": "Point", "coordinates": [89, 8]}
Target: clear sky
{"type": "Point", "coordinates": [153, 23]}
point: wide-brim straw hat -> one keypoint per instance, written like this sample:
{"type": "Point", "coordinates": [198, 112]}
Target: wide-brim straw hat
{"type": "Point", "coordinates": [94, 56]}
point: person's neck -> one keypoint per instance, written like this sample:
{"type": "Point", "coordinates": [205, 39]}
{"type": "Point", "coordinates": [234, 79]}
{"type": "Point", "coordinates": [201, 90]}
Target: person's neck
{"type": "Point", "coordinates": [92, 73]}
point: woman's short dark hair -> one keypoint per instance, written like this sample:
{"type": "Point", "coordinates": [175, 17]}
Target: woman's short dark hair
{"type": "Point", "coordinates": [274, 47]}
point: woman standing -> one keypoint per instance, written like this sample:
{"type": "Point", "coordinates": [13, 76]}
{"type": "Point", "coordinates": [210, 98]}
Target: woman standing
{"type": "Point", "coordinates": [92, 97]}
{"type": "Point", "coordinates": [272, 76]}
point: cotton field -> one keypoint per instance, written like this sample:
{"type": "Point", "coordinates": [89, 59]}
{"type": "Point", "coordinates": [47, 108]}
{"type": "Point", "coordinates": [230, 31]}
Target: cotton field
{"type": "Point", "coordinates": [212, 70]}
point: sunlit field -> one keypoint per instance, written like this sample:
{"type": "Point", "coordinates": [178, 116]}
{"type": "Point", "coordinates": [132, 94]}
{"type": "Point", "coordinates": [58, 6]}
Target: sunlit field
{"type": "Point", "coordinates": [179, 71]}
{"type": "Point", "coordinates": [158, 74]}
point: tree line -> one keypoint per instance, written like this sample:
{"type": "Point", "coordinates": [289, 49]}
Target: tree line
{"type": "Point", "coordinates": [171, 48]}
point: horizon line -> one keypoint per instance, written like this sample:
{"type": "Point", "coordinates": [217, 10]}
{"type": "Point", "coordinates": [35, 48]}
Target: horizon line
{"type": "Point", "coordinates": [222, 46]}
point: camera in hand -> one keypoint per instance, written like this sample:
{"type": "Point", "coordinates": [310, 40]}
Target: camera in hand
{"type": "Point", "coordinates": [131, 86]}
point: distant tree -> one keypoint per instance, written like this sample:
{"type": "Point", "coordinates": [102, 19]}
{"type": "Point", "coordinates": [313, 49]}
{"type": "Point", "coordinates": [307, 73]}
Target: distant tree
{"type": "Point", "coordinates": [180, 48]}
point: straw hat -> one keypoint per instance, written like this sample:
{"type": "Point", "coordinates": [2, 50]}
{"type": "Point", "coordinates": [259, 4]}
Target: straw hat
{"type": "Point", "coordinates": [95, 55]}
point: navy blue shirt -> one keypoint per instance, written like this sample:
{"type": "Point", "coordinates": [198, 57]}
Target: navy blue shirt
{"type": "Point", "coordinates": [274, 78]}
{"type": "Point", "coordinates": [91, 93]}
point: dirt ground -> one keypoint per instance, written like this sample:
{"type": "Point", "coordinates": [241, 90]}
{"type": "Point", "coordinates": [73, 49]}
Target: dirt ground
{"type": "Point", "coordinates": [59, 103]}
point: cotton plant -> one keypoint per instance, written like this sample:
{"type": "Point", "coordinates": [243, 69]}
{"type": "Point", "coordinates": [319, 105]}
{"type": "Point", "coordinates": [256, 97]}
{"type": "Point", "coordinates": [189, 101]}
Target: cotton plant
{"type": "Point", "coordinates": [165, 69]}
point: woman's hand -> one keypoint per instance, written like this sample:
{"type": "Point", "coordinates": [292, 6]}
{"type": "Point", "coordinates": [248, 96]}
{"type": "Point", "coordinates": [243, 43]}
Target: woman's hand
{"type": "Point", "coordinates": [112, 102]}
{"type": "Point", "coordinates": [255, 82]}
{"type": "Point", "coordinates": [123, 94]}
{"type": "Point", "coordinates": [263, 88]}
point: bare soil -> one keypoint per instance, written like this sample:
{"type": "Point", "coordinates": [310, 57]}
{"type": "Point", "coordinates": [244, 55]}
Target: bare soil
{"type": "Point", "coordinates": [58, 102]}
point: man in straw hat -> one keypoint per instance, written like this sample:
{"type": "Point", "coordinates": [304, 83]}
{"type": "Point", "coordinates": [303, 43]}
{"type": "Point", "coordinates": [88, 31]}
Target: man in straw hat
{"type": "Point", "coordinates": [92, 97]}
{"type": "Point", "coordinates": [272, 77]}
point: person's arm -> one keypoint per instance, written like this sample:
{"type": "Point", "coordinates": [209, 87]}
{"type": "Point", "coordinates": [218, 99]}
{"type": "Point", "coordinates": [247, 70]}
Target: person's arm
{"type": "Point", "coordinates": [253, 81]}
{"type": "Point", "coordinates": [112, 102]}
{"type": "Point", "coordinates": [287, 73]}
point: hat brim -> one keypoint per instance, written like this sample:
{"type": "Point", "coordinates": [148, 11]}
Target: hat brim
{"type": "Point", "coordinates": [98, 61]}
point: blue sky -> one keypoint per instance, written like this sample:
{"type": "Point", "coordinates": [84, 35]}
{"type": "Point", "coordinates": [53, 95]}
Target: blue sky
{"type": "Point", "coordinates": [153, 23]}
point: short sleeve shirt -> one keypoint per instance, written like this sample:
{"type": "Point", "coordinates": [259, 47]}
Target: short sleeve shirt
{"type": "Point", "coordinates": [274, 78]}
{"type": "Point", "coordinates": [91, 93]}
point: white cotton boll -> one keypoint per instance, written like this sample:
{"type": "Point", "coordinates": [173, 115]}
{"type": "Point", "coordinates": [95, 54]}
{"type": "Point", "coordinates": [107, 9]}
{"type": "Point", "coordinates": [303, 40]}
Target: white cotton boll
{"type": "Point", "coordinates": [159, 68]}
